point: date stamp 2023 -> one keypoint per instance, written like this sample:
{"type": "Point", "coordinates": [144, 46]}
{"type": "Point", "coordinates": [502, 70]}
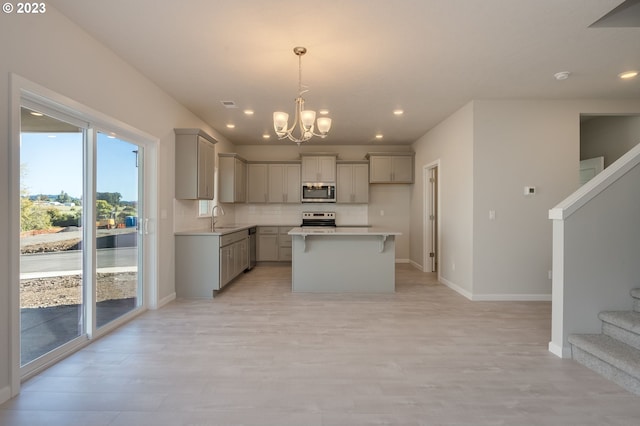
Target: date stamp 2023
{"type": "Point", "coordinates": [30, 8]}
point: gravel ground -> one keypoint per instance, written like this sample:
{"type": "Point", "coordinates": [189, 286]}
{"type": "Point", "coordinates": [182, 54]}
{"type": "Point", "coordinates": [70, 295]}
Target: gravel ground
{"type": "Point", "coordinates": [66, 290]}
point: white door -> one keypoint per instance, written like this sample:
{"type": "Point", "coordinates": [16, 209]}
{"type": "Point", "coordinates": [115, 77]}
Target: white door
{"type": "Point", "coordinates": [431, 219]}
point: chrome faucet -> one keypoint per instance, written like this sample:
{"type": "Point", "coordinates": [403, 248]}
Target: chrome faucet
{"type": "Point", "coordinates": [220, 211]}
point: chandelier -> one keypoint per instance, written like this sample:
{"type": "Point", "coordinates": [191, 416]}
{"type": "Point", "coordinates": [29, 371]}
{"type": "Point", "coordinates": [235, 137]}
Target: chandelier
{"type": "Point", "coordinates": [304, 119]}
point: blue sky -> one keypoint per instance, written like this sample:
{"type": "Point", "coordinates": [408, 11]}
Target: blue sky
{"type": "Point", "coordinates": [53, 165]}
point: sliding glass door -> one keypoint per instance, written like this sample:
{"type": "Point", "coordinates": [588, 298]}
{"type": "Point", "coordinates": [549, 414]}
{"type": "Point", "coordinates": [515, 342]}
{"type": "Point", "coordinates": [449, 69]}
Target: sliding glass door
{"type": "Point", "coordinates": [81, 232]}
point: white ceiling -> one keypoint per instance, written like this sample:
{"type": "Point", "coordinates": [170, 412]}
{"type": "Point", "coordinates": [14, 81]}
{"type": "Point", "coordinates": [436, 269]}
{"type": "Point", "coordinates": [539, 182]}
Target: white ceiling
{"type": "Point", "coordinates": [365, 57]}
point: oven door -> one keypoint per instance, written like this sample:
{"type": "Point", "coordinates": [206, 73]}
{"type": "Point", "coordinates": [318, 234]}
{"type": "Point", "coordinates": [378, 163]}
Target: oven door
{"type": "Point", "coordinates": [322, 193]}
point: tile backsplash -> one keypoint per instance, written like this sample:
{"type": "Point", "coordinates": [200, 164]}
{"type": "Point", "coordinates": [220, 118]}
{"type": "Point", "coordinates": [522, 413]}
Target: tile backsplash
{"type": "Point", "coordinates": [291, 214]}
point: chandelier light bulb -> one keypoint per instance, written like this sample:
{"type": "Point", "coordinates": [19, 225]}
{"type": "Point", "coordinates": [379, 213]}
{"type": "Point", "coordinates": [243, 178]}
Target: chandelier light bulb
{"type": "Point", "coordinates": [304, 119]}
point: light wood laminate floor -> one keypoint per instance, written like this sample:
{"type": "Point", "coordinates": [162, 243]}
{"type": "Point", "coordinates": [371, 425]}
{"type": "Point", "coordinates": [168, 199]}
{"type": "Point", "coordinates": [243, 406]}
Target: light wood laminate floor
{"type": "Point", "coordinates": [260, 355]}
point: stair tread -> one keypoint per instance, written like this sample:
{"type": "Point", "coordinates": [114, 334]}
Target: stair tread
{"type": "Point", "coordinates": [627, 320]}
{"type": "Point", "coordinates": [610, 350]}
{"type": "Point", "coordinates": [635, 293]}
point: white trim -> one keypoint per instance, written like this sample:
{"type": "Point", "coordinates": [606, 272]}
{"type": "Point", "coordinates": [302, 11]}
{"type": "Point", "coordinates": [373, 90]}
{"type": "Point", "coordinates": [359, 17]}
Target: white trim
{"type": "Point", "coordinates": [595, 186]}
{"type": "Point", "coordinates": [559, 351]}
{"type": "Point", "coordinates": [455, 287]}
{"type": "Point", "coordinates": [512, 297]}
{"type": "Point", "coordinates": [165, 300]}
{"type": "Point", "coordinates": [403, 261]}
{"type": "Point", "coordinates": [425, 222]}
{"type": "Point", "coordinates": [416, 265]}
{"type": "Point", "coordinates": [5, 394]}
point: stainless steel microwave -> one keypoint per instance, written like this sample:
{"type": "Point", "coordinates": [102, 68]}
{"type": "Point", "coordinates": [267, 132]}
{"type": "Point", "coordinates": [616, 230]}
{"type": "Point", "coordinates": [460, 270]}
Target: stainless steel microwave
{"type": "Point", "coordinates": [318, 193]}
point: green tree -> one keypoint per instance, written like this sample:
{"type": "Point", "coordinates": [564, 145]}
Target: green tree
{"type": "Point", "coordinates": [112, 198]}
{"type": "Point", "coordinates": [32, 216]}
{"type": "Point", "coordinates": [63, 198]}
{"type": "Point", "coordinates": [103, 208]}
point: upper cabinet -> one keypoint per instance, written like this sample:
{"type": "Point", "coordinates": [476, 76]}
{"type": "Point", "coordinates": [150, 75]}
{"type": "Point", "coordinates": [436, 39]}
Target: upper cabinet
{"type": "Point", "coordinates": [195, 164]}
{"type": "Point", "coordinates": [273, 182]}
{"type": "Point", "coordinates": [353, 182]}
{"type": "Point", "coordinates": [257, 177]}
{"type": "Point", "coordinates": [284, 183]}
{"type": "Point", "coordinates": [319, 168]}
{"type": "Point", "coordinates": [232, 173]}
{"type": "Point", "coordinates": [391, 167]}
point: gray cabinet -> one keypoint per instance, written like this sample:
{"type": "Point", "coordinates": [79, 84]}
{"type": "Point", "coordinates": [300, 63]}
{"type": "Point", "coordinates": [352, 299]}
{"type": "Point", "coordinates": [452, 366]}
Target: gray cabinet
{"type": "Point", "coordinates": [319, 168]}
{"type": "Point", "coordinates": [232, 174]}
{"type": "Point", "coordinates": [195, 164]}
{"type": "Point", "coordinates": [234, 256]}
{"type": "Point", "coordinates": [273, 183]}
{"type": "Point", "coordinates": [284, 183]}
{"type": "Point", "coordinates": [353, 182]}
{"type": "Point", "coordinates": [206, 263]}
{"type": "Point", "coordinates": [396, 167]}
{"type": "Point", "coordinates": [257, 183]}
{"type": "Point", "coordinates": [274, 243]}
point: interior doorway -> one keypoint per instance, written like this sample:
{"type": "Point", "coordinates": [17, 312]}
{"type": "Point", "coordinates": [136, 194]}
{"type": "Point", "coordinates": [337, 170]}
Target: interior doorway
{"type": "Point", "coordinates": [431, 247]}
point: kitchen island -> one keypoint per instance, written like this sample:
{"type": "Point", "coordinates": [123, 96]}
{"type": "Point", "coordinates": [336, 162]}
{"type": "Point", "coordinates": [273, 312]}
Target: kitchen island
{"type": "Point", "coordinates": [343, 260]}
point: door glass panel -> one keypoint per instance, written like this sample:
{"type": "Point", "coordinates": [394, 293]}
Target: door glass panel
{"type": "Point", "coordinates": [118, 248]}
{"type": "Point", "coordinates": [51, 285]}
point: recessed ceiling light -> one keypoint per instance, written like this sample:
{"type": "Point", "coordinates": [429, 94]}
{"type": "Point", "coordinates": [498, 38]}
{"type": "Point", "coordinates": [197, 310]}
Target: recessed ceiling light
{"type": "Point", "coordinates": [248, 112]}
{"type": "Point", "coordinates": [231, 126]}
{"type": "Point", "coordinates": [628, 74]}
{"type": "Point", "coordinates": [398, 112]}
{"type": "Point", "coordinates": [111, 136]}
{"type": "Point", "coordinates": [379, 136]}
{"type": "Point", "coordinates": [562, 75]}
{"type": "Point", "coordinates": [266, 136]}
{"type": "Point", "coordinates": [36, 114]}
{"type": "Point", "coordinates": [323, 111]}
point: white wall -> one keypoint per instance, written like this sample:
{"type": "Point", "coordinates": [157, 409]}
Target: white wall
{"type": "Point", "coordinates": [451, 142]}
{"type": "Point", "coordinates": [55, 53]}
{"type": "Point", "coordinates": [609, 137]}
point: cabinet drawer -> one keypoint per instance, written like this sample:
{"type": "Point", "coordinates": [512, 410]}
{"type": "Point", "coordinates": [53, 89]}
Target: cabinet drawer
{"type": "Point", "coordinates": [227, 239]}
{"type": "Point", "coordinates": [267, 230]}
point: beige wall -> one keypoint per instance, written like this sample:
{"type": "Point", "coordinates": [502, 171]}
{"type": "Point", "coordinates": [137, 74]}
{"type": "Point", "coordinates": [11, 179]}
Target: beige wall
{"type": "Point", "coordinates": [507, 145]}
{"type": "Point", "coordinates": [451, 143]}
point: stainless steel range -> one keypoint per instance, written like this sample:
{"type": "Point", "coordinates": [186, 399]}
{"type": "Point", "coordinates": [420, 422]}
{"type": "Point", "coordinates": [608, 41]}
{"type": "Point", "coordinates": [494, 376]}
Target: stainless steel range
{"type": "Point", "coordinates": [318, 219]}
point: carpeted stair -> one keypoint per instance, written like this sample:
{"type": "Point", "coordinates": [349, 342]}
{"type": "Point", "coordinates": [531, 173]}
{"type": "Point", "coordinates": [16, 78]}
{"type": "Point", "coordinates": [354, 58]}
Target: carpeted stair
{"type": "Point", "coordinates": [616, 352]}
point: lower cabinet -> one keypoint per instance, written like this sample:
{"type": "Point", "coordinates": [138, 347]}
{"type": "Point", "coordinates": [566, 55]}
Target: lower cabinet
{"type": "Point", "coordinates": [274, 244]}
{"type": "Point", "coordinates": [206, 263]}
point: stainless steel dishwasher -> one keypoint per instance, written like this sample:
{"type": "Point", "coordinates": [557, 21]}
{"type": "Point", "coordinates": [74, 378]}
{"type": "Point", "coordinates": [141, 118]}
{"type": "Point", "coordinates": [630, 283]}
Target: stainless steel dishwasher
{"type": "Point", "coordinates": [252, 248]}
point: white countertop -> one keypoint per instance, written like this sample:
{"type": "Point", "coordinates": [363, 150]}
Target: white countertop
{"type": "Point", "coordinates": [342, 231]}
{"type": "Point", "coordinates": [218, 230]}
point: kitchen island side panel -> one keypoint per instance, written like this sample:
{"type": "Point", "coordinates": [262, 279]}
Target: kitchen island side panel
{"type": "Point", "coordinates": [343, 264]}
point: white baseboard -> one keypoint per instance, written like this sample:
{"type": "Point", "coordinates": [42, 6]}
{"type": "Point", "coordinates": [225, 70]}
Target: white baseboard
{"type": "Point", "coordinates": [166, 300]}
{"type": "Point", "coordinates": [5, 394]}
{"type": "Point", "coordinates": [402, 261]}
{"type": "Point", "coordinates": [561, 352]}
{"type": "Point", "coordinates": [416, 265]}
{"type": "Point", "coordinates": [512, 297]}
{"type": "Point", "coordinates": [455, 288]}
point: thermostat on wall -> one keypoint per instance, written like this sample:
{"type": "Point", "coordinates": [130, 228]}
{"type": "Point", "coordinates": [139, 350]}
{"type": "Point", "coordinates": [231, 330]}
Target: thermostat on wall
{"type": "Point", "coordinates": [529, 190]}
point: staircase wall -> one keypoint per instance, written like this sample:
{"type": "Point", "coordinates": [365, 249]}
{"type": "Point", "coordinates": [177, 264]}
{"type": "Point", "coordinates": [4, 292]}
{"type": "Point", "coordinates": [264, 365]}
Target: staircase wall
{"type": "Point", "coordinates": [596, 251]}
